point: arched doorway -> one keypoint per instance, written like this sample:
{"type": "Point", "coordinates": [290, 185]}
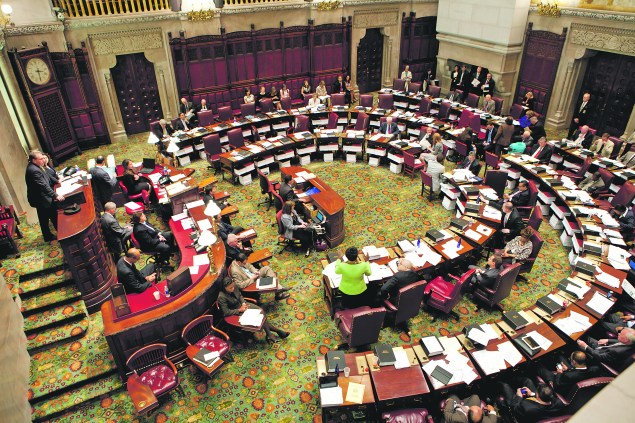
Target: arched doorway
{"type": "Point", "coordinates": [137, 92]}
{"type": "Point", "coordinates": [370, 53]}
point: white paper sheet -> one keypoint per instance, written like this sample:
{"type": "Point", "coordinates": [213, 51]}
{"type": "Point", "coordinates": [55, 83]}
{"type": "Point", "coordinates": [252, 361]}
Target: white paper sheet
{"type": "Point", "coordinates": [204, 224]}
{"type": "Point", "coordinates": [600, 303]}
{"type": "Point", "coordinates": [251, 317]}
{"type": "Point", "coordinates": [449, 344]}
{"type": "Point", "coordinates": [193, 204]}
{"type": "Point", "coordinates": [510, 353]}
{"type": "Point", "coordinates": [432, 345]}
{"type": "Point", "coordinates": [331, 396]}
{"type": "Point", "coordinates": [473, 235]}
{"type": "Point", "coordinates": [200, 260]}
{"type": "Point", "coordinates": [541, 340]}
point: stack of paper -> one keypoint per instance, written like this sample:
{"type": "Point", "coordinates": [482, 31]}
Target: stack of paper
{"type": "Point", "coordinates": [194, 204]}
{"type": "Point", "coordinates": [374, 253]}
{"type": "Point", "coordinates": [454, 363]}
{"type": "Point", "coordinates": [618, 257]}
{"type": "Point", "coordinates": [406, 246]}
{"type": "Point", "coordinates": [510, 353]}
{"type": "Point", "coordinates": [179, 216]}
{"type": "Point", "coordinates": [609, 280]}
{"type": "Point", "coordinates": [332, 396]}
{"type": "Point", "coordinates": [490, 361]}
{"type": "Point", "coordinates": [600, 303]}
{"type": "Point", "coordinates": [251, 317]}
{"type": "Point", "coordinates": [473, 235]}
{"type": "Point", "coordinates": [492, 213]}
{"type": "Point", "coordinates": [200, 260]}
{"type": "Point", "coordinates": [577, 289]}
{"type": "Point", "coordinates": [576, 322]}
{"type": "Point", "coordinates": [378, 272]}
{"type": "Point", "coordinates": [483, 334]}
{"type": "Point", "coordinates": [401, 358]}
{"type": "Point", "coordinates": [485, 230]}
{"type": "Point", "coordinates": [355, 393]}
{"type": "Point", "coordinates": [334, 278]}
{"type": "Point", "coordinates": [450, 343]}
{"type": "Point", "coordinates": [432, 345]}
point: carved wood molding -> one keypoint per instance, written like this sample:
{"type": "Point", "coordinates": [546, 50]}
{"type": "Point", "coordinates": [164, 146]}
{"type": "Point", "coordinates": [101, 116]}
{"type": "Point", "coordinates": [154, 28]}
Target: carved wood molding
{"type": "Point", "coordinates": [375, 18]}
{"type": "Point", "coordinates": [122, 42]}
{"type": "Point", "coordinates": [603, 38]}
{"type": "Point", "coordinates": [13, 31]}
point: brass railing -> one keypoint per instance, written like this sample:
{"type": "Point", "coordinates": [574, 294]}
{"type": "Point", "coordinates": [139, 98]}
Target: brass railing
{"type": "Point", "coordinates": [84, 8]}
{"type": "Point", "coordinates": [241, 2]}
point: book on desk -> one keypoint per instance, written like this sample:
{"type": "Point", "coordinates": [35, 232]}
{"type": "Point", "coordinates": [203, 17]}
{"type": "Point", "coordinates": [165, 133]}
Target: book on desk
{"type": "Point", "coordinates": [514, 320]}
{"type": "Point", "coordinates": [547, 304]}
{"type": "Point", "coordinates": [335, 360]}
{"type": "Point", "coordinates": [206, 357]}
{"type": "Point", "coordinates": [385, 354]}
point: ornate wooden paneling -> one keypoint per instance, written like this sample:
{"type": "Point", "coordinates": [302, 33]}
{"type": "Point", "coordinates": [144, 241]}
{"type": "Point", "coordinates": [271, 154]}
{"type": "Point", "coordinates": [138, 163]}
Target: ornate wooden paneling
{"type": "Point", "coordinates": [370, 53]}
{"type": "Point", "coordinates": [419, 45]}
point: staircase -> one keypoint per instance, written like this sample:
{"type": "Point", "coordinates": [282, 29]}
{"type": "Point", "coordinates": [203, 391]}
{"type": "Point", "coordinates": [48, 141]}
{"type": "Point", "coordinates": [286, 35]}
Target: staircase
{"type": "Point", "coordinates": [70, 359]}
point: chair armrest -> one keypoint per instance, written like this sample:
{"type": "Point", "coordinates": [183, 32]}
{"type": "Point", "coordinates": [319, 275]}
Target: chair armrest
{"type": "Point", "coordinates": [438, 294]}
{"type": "Point", "coordinates": [456, 278]}
{"type": "Point", "coordinates": [220, 332]}
{"type": "Point", "coordinates": [250, 300]}
{"type": "Point", "coordinates": [604, 195]}
{"type": "Point", "coordinates": [390, 306]}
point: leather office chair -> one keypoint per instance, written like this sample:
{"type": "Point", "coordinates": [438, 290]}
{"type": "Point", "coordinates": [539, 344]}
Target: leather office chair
{"type": "Point", "coordinates": [624, 195]}
{"type": "Point", "coordinates": [434, 91]}
{"type": "Point", "coordinates": [443, 296]}
{"type": "Point", "coordinates": [492, 297]}
{"type": "Point", "coordinates": [386, 101]}
{"type": "Point", "coordinates": [414, 87]}
{"type": "Point", "coordinates": [617, 145]}
{"type": "Point", "coordinates": [332, 123]}
{"type": "Point", "coordinates": [267, 188]}
{"type": "Point", "coordinates": [411, 164]}
{"type": "Point", "coordinates": [236, 139]}
{"type": "Point", "coordinates": [224, 113]}
{"type": "Point", "coordinates": [491, 159]}
{"type": "Point", "coordinates": [472, 100]}
{"type": "Point", "coordinates": [360, 327]}
{"type": "Point", "coordinates": [405, 304]}
{"type": "Point", "coordinates": [152, 368]}
{"type": "Point", "coordinates": [516, 111]}
{"type": "Point", "coordinates": [366, 100]}
{"type": "Point", "coordinates": [498, 105]}
{"type": "Point", "coordinates": [535, 218]}
{"type": "Point", "coordinates": [7, 243]}
{"type": "Point", "coordinates": [460, 95]}
{"type": "Point", "coordinates": [9, 216]}
{"type": "Point", "coordinates": [205, 117]}
{"type": "Point", "coordinates": [213, 150]}
{"type": "Point", "coordinates": [607, 178]}
{"type": "Point", "coordinates": [424, 106]}
{"type": "Point", "coordinates": [525, 211]}
{"type": "Point", "coordinates": [410, 415]}
{"type": "Point", "coordinates": [285, 103]}
{"type": "Point", "coordinates": [398, 84]}
{"type": "Point", "coordinates": [460, 148]}
{"type": "Point", "coordinates": [475, 124]}
{"type": "Point", "coordinates": [465, 119]}
{"type": "Point", "coordinates": [301, 123]}
{"type": "Point", "coordinates": [247, 109]}
{"type": "Point", "coordinates": [615, 371]}
{"type": "Point", "coordinates": [152, 255]}
{"type": "Point", "coordinates": [202, 333]}
{"type": "Point", "coordinates": [266, 105]}
{"type": "Point", "coordinates": [144, 196]}
{"type": "Point", "coordinates": [496, 179]}
{"type": "Point", "coordinates": [278, 202]}
{"type": "Point", "coordinates": [361, 124]}
{"type": "Point", "coordinates": [338, 99]}
{"type": "Point", "coordinates": [582, 392]}
{"type": "Point", "coordinates": [426, 181]}
{"type": "Point", "coordinates": [444, 110]}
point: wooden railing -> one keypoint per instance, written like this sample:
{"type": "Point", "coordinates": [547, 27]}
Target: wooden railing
{"type": "Point", "coordinates": [241, 2]}
{"type": "Point", "coordinates": [84, 8]}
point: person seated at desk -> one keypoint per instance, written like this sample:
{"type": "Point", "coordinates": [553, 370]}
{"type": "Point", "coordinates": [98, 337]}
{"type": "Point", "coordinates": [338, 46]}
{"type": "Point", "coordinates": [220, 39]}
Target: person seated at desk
{"type": "Point", "coordinates": [519, 197]}
{"type": "Point", "coordinates": [470, 163]}
{"type": "Point", "coordinates": [187, 109]}
{"type": "Point", "coordinates": [248, 97]}
{"type": "Point", "coordinates": [404, 277]}
{"type": "Point", "coordinates": [528, 101]}
{"type": "Point", "coordinates": [234, 246]}
{"type": "Point", "coordinates": [568, 372]}
{"type": "Point", "coordinates": [537, 128]}
{"type": "Point", "coordinates": [603, 147]}
{"type": "Point", "coordinates": [232, 303]}
{"type": "Point", "coordinates": [133, 280]}
{"type": "Point", "coordinates": [388, 127]}
{"type": "Point", "coordinates": [284, 91]}
{"type": "Point", "coordinates": [296, 228]}
{"type": "Point", "coordinates": [610, 351]}
{"type": "Point", "coordinates": [615, 322]}
{"type": "Point", "coordinates": [286, 188]}
{"type": "Point", "coordinates": [103, 184]}
{"type": "Point", "coordinates": [338, 85]}
{"type": "Point", "coordinates": [485, 277]}
{"type": "Point", "coordinates": [132, 181]}
{"type": "Point", "coordinates": [244, 274]}
{"type": "Point", "coordinates": [353, 287]}
{"type": "Point", "coordinates": [314, 101]}
{"type": "Point", "coordinates": [487, 143]}
{"type": "Point", "coordinates": [518, 249]}
{"type": "Point", "coordinates": [436, 150]}
{"type": "Point", "coordinates": [425, 139]}
{"type": "Point", "coordinates": [163, 130]}
{"type": "Point", "coordinates": [583, 137]}
{"type": "Point", "coordinates": [321, 90]}
{"type": "Point", "coordinates": [349, 89]}
{"type": "Point", "coordinates": [151, 239]}
{"type": "Point", "coordinates": [433, 167]}
{"type": "Point", "coordinates": [467, 410]}
{"type": "Point", "coordinates": [526, 138]}
{"type": "Point", "coordinates": [592, 183]}
{"type": "Point", "coordinates": [182, 124]}
{"type": "Point", "coordinates": [627, 159]}
{"type": "Point", "coordinates": [114, 235]}
{"type": "Point", "coordinates": [273, 95]}
{"type": "Point", "coordinates": [626, 219]}
{"type": "Point", "coordinates": [530, 403]}
{"type": "Point", "coordinates": [203, 107]}
{"type": "Point", "coordinates": [224, 230]}
{"type": "Point", "coordinates": [518, 146]}
{"type": "Point", "coordinates": [467, 137]}
{"type": "Point", "coordinates": [525, 120]}
{"type": "Point", "coordinates": [489, 105]}
{"type": "Point", "coordinates": [306, 89]}
{"type": "Point", "coordinates": [542, 151]}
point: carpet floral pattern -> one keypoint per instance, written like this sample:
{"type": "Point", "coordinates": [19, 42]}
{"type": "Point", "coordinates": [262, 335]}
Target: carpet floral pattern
{"type": "Point", "coordinates": [278, 383]}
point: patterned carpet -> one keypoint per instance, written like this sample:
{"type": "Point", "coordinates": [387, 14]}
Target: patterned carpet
{"type": "Point", "coordinates": [278, 383]}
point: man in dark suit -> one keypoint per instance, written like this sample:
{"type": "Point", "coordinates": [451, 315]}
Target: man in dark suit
{"type": "Point", "coordinates": [583, 136]}
{"type": "Point", "coordinates": [470, 163]}
{"type": "Point", "coordinates": [626, 219]}
{"type": "Point", "coordinates": [480, 77]}
{"type": "Point", "coordinates": [187, 108]}
{"type": "Point", "coordinates": [389, 127]}
{"type": "Point", "coordinates": [467, 410]}
{"type": "Point", "coordinates": [530, 403]}
{"type": "Point", "coordinates": [568, 372]}
{"type": "Point", "coordinates": [404, 277]}
{"type": "Point", "coordinates": [485, 277]}
{"type": "Point", "coordinates": [102, 182]}
{"type": "Point", "coordinates": [133, 280]}
{"type": "Point", "coordinates": [286, 188]}
{"type": "Point", "coordinates": [234, 247]}
{"type": "Point", "coordinates": [511, 225]}
{"type": "Point", "coordinates": [487, 143]}
{"type": "Point", "coordinates": [542, 151]}
{"type": "Point", "coordinates": [488, 85]}
{"type": "Point", "coordinates": [182, 124]}
{"type": "Point", "coordinates": [151, 239]}
{"type": "Point", "coordinates": [338, 85]}
{"type": "Point", "coordinates": [519, 197]}
{"type": "Point", "coordinates": [203, 107]}
{"type": "Point", "coordinates": [611, 351]}
{"type": "Point", "coordinates": [114, 235]}
{"type": "Point", "coordinates": [40, 194]}
{"type": "Point", "coordinates": [163, 130]}
{"type": "Point", "coordinates": [537, 128]}
{"type": "Point", "coordinates": [464, 82]}
{"type": "Point", "coordinates": [581, 114]}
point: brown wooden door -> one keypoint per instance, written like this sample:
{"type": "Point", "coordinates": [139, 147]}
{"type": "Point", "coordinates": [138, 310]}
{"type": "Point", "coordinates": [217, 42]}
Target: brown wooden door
{"type": "Point", "coordinates": [610, 78]}
{"type": "Point", "coordinates": [137, 92]}
{"type": "Point", "coordinates": [370, 53]}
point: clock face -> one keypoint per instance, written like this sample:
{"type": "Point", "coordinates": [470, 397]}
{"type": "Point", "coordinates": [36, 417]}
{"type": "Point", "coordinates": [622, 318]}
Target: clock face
{"type": "Point", "coordinates": [38, 71]}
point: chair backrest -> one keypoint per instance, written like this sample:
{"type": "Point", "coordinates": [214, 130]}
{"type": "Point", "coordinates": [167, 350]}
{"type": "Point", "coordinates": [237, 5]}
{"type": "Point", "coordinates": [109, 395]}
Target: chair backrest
{"type": "Point", "coordinates": [496, 179]}
{"type": "Point", "coordinates": [424, 106]}
{"type": "Point", "coordinates": [277, 201]}
{"type": "Point", "coordinates": [617, 144]}
{"type": "Point", "coordinates": [197, 329]}
{"type": "Point", "coordinates": [535, 218]}
{"type": "Point", "coordinates": [398, 84]}
{"type": "Point", "coordinates": [212, 145]}
{"type": "Point", "coordinates": [235, 137]}
{"type": "Point", "coordinates": [461, 148]}
{"type": "Point", "coordinates": [444, 110]}
{"type": "Point", "coordinates": [465, 119]}
{"type": "Point", "coordinates": [248, 109]}
{"type": "Point", "coordinates": [458, 95]}
{"type": "Point", "coordinates": [498, 105]}
{"type": "Point", "coordinates": [264, 181]}
{"type": "Point", "coordinates": [224, 113]}
{"type": "Point", "coordinates": [504, 283]}
{"type": "Point", "coordinates": [366, 100]}
{"type": "Point", "coordinates": [154, 126]}
{"type": "Point", "coordinates": [333, 118]}
{"type": "Point", "coordinates": [205, 117]}
{"type": "Point", "coordinates": [414, 87]}
{"type": "Point", "coordinates": [434, 91]}
{"type": "Point", "coordinates": [491, 160]}
{"type": "Point", "coordinates": [516, 111]}
{"type": "Point", "coordinates": [533, 193]}
{"type": "Point", "coordinates": [624, 195]}
{"type": "Point", "coordinates": [279, 220]}
{"type": "Point", "coordinates": [362, 122]}
{"type": "Point", "coordinates": [285, 103]}
{"type": "Point", "coordinates": [147, 357]}
{"type": "Point", "coordinates": [408, 160]}
{"type": "Point", "coordinates": [408, 301]}
{"type": "Point", "coordinates": [301, 123]}
{"type": "Point", "coordinates": [536, 245]}
{"type": "Point", "coordinates": [426, 179]}
{"type": "Point", "coordinates": [338, 99]}
{"type": "Point", "coordinates": [607, 177]}
{"type": "Point", "coordinates": [386, 101]}
{"type": "Point", "coordinates": [472, 100]}
{"type": "Point", "coordinates": [475, 124]}
{"type": "Point", "coordinates": [266, 105]}
{"type": "Point", "coordinates": [366, 325]}
{"type": "Point", "coordinates": [584, 390]}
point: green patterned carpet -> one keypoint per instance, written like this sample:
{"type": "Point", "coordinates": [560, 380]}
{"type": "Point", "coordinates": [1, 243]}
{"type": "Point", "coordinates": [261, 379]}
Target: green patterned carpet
{"type": "Point", "coordinates": [278, 383]}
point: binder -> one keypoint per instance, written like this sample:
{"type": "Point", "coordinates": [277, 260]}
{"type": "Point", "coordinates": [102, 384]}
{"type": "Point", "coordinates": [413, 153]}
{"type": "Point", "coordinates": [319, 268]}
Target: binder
{"type": "Point", "coordinates": [471, 190]}
{"type": "Point", "coordinates": [435, 235]}
{"type": "Point", "coordinates": [430, 353]}
{"type": "Point", "coordinates": [442, 375]}
{"type": "Point", "coordinates": [200, 358]}
{"type": "Point", "coordinates": [385, 354]}
{"type": "Point", "coordinates": [514, 320]}
{"type": "Point", "coordinates": [548, 305]}
{"type": "Point", "coordinates": [335, 359]}
{"type": "Point", "coordinates": [467, 329]}
{"type": "Point", "coordinates": [554, 182]}
{"type": "Point", "coordinates": [595, 250]}
{"type": "Point", "coordinates": [471, 207]}
{"type": "Point", "coordinates": [459, 223]}
{"type": "Point", "coordinates": [564, 283]}
{"type": "Point", "coordinates": [266, 282]}
{"type": "Point", "coordinates": [585, 268]}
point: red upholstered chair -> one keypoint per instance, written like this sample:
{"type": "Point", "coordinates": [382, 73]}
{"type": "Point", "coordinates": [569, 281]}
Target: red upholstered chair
{"type": "Point", "coordinates": [360, 326]}
{"type": "Point", "coordinates": [472, 100]}
{"type": "Point", "coordinates": [398, 84]}
{"type": "Point", "coordinates": [144, 196]}
{"type": "Point", "coordinates": [411, 164]}
{"type": "Point", "coordinates": [536, 242]}
{"type": "Point", "coordinates": [465, 119]}
{"type": "Point", "coordinates": [624, 195]}
{"type": "Point", "coordinates": [213, 150]}
{"type": "Point", "coordinates": [7, 243]}
{"type": "Point", "coordinates": [434, 91]}
{"type": "Point", "coordinates": [301, 123]}
{"type": "Point", "coordinates": [285, 103]}
{"type": "Point", "coordinates": [332, 123]}
{"type": "Point", "coordinates": [444, 110]}
{"type": "Point", "coordinates": [247, 109]}
{"type": "Point", "coordinates": [443, 296]}
{"type": "Point", "coordinates": [617, 145]}
{"type": "Point", "coordinates": [426, 181]}
{"type": "Point", "coordinates": [201, 333]}
{"type": "Point", "coordinates": [338, 99]}
{"type": "Point", "coordinates": [266, 105]}
{"type": "Point", "coordinates": [516, 111]}
{"type": "Point", "coordinates": [152, 368]}
{"type": "Point", "coordinates": [582, 392]}
{"type": "Point", "coordinates": [460, 95]}
{"type": "Point", "coordinates": [615, 371]}
{"type": "Point", "coordinates": [498, 105]}
{"type": "Point", "coordinates": [525, 211]}
{"type": "Point", "coordinates": [492, 297]}
{"type": "Point", "coordinates": [497, 180]}
{"type": "Point", "coordinates": [361, 124]}
{"type": "Point", "coordinates": [607, 178]}
{"type": "Point", "coordinates": [267, 188]}
{"type": "Point", "coordinates": [205, 117]}
{"type": "Point", "coordinates": [491, 159]}
{"type": "Point", "coordinates": [366, 100]}
{"type": "Point", "coordinates": [236, 139]}
{"type": "Point", "coordinates": [224, 113]}
{"type": "Point", "coordinates": [535, 218]}
{"type": "Point", "coordinates": [475, 124]}
{"type": "Point", "coordinates": [411, 415]}
{"type": "Point", "coordinates": [277, 201]}
{"type": "Point", "coordinates": [405, 304]}
{"type": "Point", "coordinates": [306, 98]}
{"type": "Point", "coordinates": [386, 101]}
{"type": "Point", "coordinates": [414, 87]}
{"type": "Point", "coordinates": [424, 106]}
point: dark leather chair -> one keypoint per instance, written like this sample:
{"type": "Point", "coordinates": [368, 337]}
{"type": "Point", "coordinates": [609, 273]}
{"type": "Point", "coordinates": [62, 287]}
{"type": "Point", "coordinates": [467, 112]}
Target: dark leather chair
{"type": "Point", "coordinates": [265, 189]}
{"type": "Point", "coordinates": [536, 244]}
{"type": "Point", "coordinates": [460, 148]}
{"type": "Point", "coordinates": [7, 243]}
{"type": "Point", "coordinates": [152, 367]}
{"type": "Point", "coordinates": [491, 160]}
{"type": "Point", "coordinates": [398, 84]}
{"type": "Point", "coordinates": [414, 87]}
{"type": "Point", "coordinates": [285, 103]}
{"type": "Point", "coordinates": [491, 297]}
{"type": "Point", "coordinates": [615, 371]}
{"type": "Point", "coordinates": [582, 392]}
{"type": "Point", "coordinates": [472, 100]}
{"type": "Point", "coordinates": [266, 105]}
{"type": "Point", "coordinates": [411, 164]}
{"type": "Point", "coordinates": [624, 195]}
{"type": "Point", "coordinates": [247, 109]}
{"type": "Point", "coordinates": [434, 91]}
{"type": "Point", "coordinates": [205, 117]}
{"type": "Point", "coordinates": [332, 123]}
{"type": "Point", "coordinates": [516, 111]}
{"type": "Point", "coordinates": [224, 113]}
{"type": "Point", "coordinates": [411, 415]}
{"type": "Point", "coordinates": [213, 150]}
{"type": "Point", "coordinates": [301, 123]}
{"type": "Point", "coordinates": [361, 124]}
{"type": "Point", "coordinates": [465, 119]}
{"type": "Point", "coordinates": [201, 332]}
{"type": "Point", "coordinates": [424, 106]}
{"type": "Point", "coordinates": [475, 124]}
{"type": "Point", "coordinates": [235, 137]}
{"type": "Point", "coordinates": [338, 99]}
{"type": "Point", "coordinates": [444, 110]}
{"type": "Point", "coordinates": [426, 181]}
{"type": "Point", "coordinates": [496, 179]}
{"type": "Point", "coordinates": [360, 326]}
{"type": "Point", "coordinates": [498, 105]}
{"type": "Point", "coordinates": [386, 101]}
{"type": "Point", "coordinates": [617, 145]}
{"type": "Point", "coordinates": [277, 201]}
{"type": "Point", "coordinates": [366, 100]}
{"type": "Point", "coordinates": [525, 211]}
{"type": "Point", "coordinates": [443, 296]}
{"type": "Point", "coordinates": [535, 218]}
{"type": "Point", "coordinates": [607, 178]}
{"type": "Point", "coordinates": [405, 304]}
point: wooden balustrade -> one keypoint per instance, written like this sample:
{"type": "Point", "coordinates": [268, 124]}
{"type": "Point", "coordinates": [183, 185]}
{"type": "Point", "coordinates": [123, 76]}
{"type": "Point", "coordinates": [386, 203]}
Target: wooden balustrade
{"type": "Point", "coordinates": [87, 8]}
{"type": "Point", "coordinates": [241, 2]}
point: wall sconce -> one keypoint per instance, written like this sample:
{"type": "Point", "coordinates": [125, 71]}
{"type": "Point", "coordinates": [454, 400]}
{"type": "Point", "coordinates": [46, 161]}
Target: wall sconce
{"type": "Point", "coordinates": [547, 9]}
{"type": "Point", "coordinates": [5, 15]}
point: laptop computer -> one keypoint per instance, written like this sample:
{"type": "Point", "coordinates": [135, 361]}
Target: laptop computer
{"type": "Point", "coordinates": [148, 166]}
{"type": "Point", "coordinates": [319, 218]}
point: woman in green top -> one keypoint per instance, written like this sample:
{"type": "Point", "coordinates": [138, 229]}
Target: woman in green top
{"type": "Point", "coordinates": [518, 147]}
{"type": "Point", "coordinates": [353, 286]}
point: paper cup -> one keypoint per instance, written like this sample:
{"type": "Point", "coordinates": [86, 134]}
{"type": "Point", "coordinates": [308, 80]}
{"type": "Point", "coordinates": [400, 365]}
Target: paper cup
{"type": "Point", "coordinates": [157, 295]}
{"type": "Point", "coordinates": [347, 371]}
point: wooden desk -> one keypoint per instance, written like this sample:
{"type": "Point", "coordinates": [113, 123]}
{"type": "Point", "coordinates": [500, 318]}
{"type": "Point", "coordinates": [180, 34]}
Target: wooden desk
{"type": "Point", "coordinates": [329, 202]}
{"type": "Point", "coordinates": [142, 396]}
{"type": "Point", "coordinates": [539, 326]}
{"type": "Point", "coordinates": [463, 251]}
{"type": "Point", "coordinates": [492, 345]}
{"type": "Point", "coordinates": [565, 314]}
{"type": "Point", "coordinates": [437, 385]}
